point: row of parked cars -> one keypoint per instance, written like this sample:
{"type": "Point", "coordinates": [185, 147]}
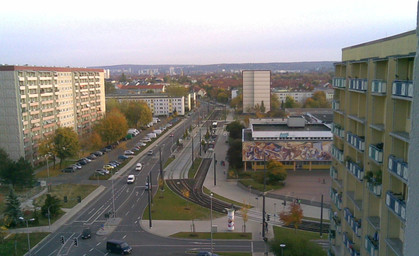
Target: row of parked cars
{"type": "Point", "coordinates": [83, 161]}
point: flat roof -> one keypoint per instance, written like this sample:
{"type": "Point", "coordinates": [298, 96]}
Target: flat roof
{"type": "Point", "coordinates": [57, 69]}
{"type": "Point", "coordinates": [285, 127]}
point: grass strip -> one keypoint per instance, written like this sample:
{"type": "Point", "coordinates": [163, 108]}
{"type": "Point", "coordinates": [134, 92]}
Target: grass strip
{"type": "Point", "coordinates": [169, 160]}
{"type": "Point", "coordinates": [194, 168]}
{"type": "Point", "coordinates": [17, 244]}
{"type": "Point", "coordinates": [218, 235]}
{"type": "Point", "coordinates": [72, 191]}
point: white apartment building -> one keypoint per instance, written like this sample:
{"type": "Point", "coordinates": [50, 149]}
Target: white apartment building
{"type": "Point", "coordinates": [301, 97]}
{"type": "Point", "coordinates": [160, 105]}
{"type": "Point", "coordinates": [256, 89]}
{"type": "Point", "coordinates": [34, 101]}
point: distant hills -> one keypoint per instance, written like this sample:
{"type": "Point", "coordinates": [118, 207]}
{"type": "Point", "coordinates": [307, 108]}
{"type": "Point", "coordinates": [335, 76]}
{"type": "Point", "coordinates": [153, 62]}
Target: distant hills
{"type": "Point", "coordinates": [324, 66]}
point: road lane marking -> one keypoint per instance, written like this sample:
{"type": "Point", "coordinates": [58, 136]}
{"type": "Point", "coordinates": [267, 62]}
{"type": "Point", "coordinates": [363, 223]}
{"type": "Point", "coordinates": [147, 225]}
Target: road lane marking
{"type": "Point", "coordinates": [126, 213]}
{"type": "Point", "coordinates": [91, 249]}
{"type": "Point", "coordinates": [91, 211]}
{"type": "Point", "coordinates": [124, 237]}
{"type": "Point", "coordinates": [98, 244]}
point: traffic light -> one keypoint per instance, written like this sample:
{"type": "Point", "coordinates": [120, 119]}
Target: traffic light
{"type": "Point", "coordinates": [268, 217]}
{"type": "Point", "coordinates": [65, 199]}
{"type": "Point", "coordinates": [76, 242]}
{"type": "Point", "coordinates": [79, 199]}
{"type": "Point", "coordinates": [62, 240]}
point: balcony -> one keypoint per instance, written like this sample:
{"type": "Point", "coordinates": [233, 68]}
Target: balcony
{"type": "Point", "coordinates": [336, 198]}
{"type": "Point", "coordinates": [353, 222]}
{"type": "Point", "coordinates": [374, 221]}
{"type": "Point", "coordinates": [358, 142]}
{"type": "Point", "coordinates": [359, 85]}
{"type": "Point", "coordinates": [339, 83]}
{"type": "Point", "coordinates": [336, 222]}
{"type": "Point", "coordinates": [349, 244]}
{"type": "Point", "coordinates": [396, 245]}
{"type": "Point", "coordinates": [355, 169]}
{"type": "Point", "coordinates": [333, 173]}
{"type": "Point", "coordinates": [371, 246]}
{"type": "Point", "coordinates": [336, 105]}
{"type": "Point", "coordinates": [396, 204]}
{"type": "Point", "coordinates": [338, 130]}
{"type": "Point", "coordinates": [398, 168]}
{"type": "Point", "coordinates": [337, 154]}
{"type": "Point", "coordinates": [379, 87]}
{"type": "Point", "coordinates": [374, 188]}
{"type": "Point", "coordinates": [402, 90]}
{"type": "Point", "coordinates": [375, 152]}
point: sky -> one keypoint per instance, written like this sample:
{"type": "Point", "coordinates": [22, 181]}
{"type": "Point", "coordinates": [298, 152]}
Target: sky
{"type": "Point", "coordinates": [97, 33]}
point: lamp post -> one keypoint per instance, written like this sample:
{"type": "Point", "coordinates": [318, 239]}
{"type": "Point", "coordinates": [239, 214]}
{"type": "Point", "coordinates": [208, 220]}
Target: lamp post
{"type": "Point", "coordinates": [282, 249]}
{"type": "Point", "coordinates": [211, 195]}
{"type": "Point", "coordinates": [27, 226]}
{"type": "Point", "coordinates": [46, 158]}
{"type": "Point", "coordinates": [49, 218]}
{"type": "Point", "coordinates": [113, 201]}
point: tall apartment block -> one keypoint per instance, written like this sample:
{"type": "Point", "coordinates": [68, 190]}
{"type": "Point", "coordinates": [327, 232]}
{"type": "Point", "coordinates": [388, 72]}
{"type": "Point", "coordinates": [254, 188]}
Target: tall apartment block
{"type": "Point", "coordinates": [34, 101]}
{"type": "Point", "coordinates": [374, 194]}
{"type": "Point", "coordinates": [256, 89]}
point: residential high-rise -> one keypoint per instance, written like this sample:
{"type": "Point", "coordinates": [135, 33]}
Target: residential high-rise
{"type": "Point", "coordinates": [34, 101]}
{"type": "Point", "coordinates": [256, 90]}
{"type": "Point", "coordinates": [374, 194]}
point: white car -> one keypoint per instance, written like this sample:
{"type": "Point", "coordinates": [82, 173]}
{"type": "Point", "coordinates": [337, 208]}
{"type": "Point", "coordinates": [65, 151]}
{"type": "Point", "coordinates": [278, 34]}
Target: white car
{"type": "Point", "coordinates": [138, 167]}
{"type": "Point", "coordinates": [141, 144]}
{"type": "Point", "coordinates": [128, 152]}
{"type": "Point", "coordinates": [130, 179]}
{"type": "Point", "coordinates": [146, 139]}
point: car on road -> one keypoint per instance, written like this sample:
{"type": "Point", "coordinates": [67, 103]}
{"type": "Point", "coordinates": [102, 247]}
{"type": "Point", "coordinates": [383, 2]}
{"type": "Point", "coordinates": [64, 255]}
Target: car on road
{"type": "Point", "coordinates": [118, 246]}
{"type": "Point", "coordinates": [128, 152]}
{"type": "Point", "coordinates": [171, 135]}
{"type": "Point", "coordinates": [86, 234]}
{"type": "Point", "coordinates": [130, 179]}
{"type": "Point", "coordinates": [146, 186]}
{"type": "Point", "coordinates": [206, 254]}
{"type": "Point", "coordinates": [139, 167]}
{"type": "Point", "coordinates": [122, 157]}
{"type": "Point", "coordinates": [150, 153]}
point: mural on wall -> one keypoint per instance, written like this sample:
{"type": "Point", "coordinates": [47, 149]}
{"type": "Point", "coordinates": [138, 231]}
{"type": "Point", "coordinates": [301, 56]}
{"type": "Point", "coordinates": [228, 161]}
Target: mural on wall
{"type": "Point", "coordinates": [287, 151]}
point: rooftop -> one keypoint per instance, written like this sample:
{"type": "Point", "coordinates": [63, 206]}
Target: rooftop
{"type": "Point", "coordinates": [285, 128]}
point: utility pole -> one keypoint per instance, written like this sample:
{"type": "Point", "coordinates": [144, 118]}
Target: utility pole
{"type": "Point", "coordinates": [161, 166]}
{"type": "Point", "coordinates": [215, 171]}
{"type": "Point", "coordinates": [200, 142]}
{"type": "Point", "coordinates": [263, 198]}
{"type": "Point", "coordinates": [149, 202]}
{"type": "Point", "coordinates": [113, 201]}
{"type": "Point", "coordinates": [321, 218]}
{"type": "Point", "coordinates": [151, 186]}
{"type": "Point", "coordinates": [192, 149]}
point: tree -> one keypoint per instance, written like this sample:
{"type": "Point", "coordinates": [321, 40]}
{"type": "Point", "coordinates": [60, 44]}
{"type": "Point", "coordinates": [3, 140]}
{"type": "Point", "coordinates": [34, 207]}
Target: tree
{"type": "Point", "coordinates": [262, 107]}
{"type": "Point", "coordinates": [5, 164]}
{"type": "Point", "coordinates": [237, 103]}
{"type": "Point", "coordinates": [234, 154]}
{"type": "Point", "coordinates": [235, 129]}
{"type": "Point", "coordinates": [222, 97]}
{"type": "Point", "coordinates": [109, 87]}
{"type": "Point", "coordinates": [276, 172]}
{"type": "Point", "coordinates": [293, 217]}
{"type": "Point", "coordinates": [22, 173]}
{"type": "Point", "coordinates": [291, 103]}
{"type": "Point", "coordinates": [53, 203]}
{"type": "Point", "coordinates": [66, 143]}
{"type": "Point", "coordinates": [146, 116]}
{"type": "Point", "coordinates": [244, 210]}
{"type": "Point", "coordinates": [47, 147]}
{"type": "Point", "coordinates": [176, 90]}
{"type": "Point", "coordinates": [95, 141]}
{"type": "Point", "coordinates": [186, 195]}
{"type": "Point", "coordinates": [113, 127]}
{"type": "Point", "coordinates": [12, 211]}
{"type": "Point", "coordinates": [318, 100]}
{"type": "Point", "coordinates": [123, 78]}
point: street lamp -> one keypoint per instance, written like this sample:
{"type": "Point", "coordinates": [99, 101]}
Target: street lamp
{"type": "Point", "coordinates": [211, 195]}
{"type": "Point", "coordinates": [282, 249]}
{"type": "Point", "coordinates": [46, 158]}
{"type": "Point", "coordinates": [27, 226]}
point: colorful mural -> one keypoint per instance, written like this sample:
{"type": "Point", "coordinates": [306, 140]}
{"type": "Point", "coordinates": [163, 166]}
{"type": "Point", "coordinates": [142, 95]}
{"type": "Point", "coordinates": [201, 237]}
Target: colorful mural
{"type": "Point", "coordinates": [287, 151]}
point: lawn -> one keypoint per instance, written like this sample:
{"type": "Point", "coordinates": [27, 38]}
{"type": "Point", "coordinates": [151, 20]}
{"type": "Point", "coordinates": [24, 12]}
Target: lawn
{"type": "Point", "coordinates": [72, 191]}
{"type": "Point", "coordinates": [17, 244]}
{"type": "Point", "coordinates": [168, 205]}
{"type": "Point", "coordinates": [20, 192]}
{"type": "Point", "coordinates": [194, 168]}
{"type": "Point", "coordinates": [54, 170]}
{"type": "Point", "coordinates": [218, 235]}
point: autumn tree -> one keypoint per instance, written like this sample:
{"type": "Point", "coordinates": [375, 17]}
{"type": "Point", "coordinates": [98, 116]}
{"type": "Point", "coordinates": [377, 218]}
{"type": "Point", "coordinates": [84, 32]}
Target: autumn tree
{"type": "Point", "coordinates": [138, 113]}
{"type": "Point", "coordinates": [46, 147]}
{"type": "Point", "coordinates": [237, 103]}
{"type": "Point", "coordinates": [291, 103]}
{"type": "Point", "coordinates": [294, 216]}
{"type": "Point", "coordinates": [176, 90]}
{"type": "Point", "coordinates": [318, 100]}
{"type": "Point", "coordinates": [262, 107]}
{"type": "Point", "coordinates": [95, 141]}
{"type": "Point", "coordinates": [222, 97]}
{"type": "Point", "coordinates": [275, 172]}
{"type": "Point", "coordinates": [276, 109]}
{"type": "Point", "coordinates": [113, 127]}
{"type": "Point", "coordinates": [66, 143]}
{"type": "Point", "coordinates": [244, 210]}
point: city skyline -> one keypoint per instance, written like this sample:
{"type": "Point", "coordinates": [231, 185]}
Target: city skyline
{"type": "Point", "coordinates": [183, 32]}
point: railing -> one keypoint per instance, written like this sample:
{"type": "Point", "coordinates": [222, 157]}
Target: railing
{"type": "Point", "coordinates": [378, 86]}
{"type": "Point", "coordinates": [335, 105]}
{"type": "Point", "coordinates": [371, 246]}
{"type": "Point", "coordinates": [338, 130]}
{"type": "Point", "coordinates": [398, 167]}
{"type": "Point", "coordinates": [403, 89]}
{"type": "Point", "coordinates": [336, 198]}
{"type": "Point", "coordinates": [333, 173]}
{"type": "Point", "coordinates": [355, 141]}
{"type": "Point", "coordinates": [355, 169]}
{"type": "Point", "coordinates": [374, 188]}
{"type": "Point", "coordinates": [337, 153]}
{"type": "Point", "coordinates": [339, 82]}
{"type": "Point", "coordinates": [358, 84]}
{"type": "Point", "coordinates": [354, 223]}
{"type": "Point", "coordinates": [349, 244]}
{"type": "Point", "coordinates": [396, 203]}
{"type": "Point", "coordinates": [375, 153]}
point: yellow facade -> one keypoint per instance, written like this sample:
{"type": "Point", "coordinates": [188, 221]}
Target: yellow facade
{"type": "Point", "coordinates": [372, 109]}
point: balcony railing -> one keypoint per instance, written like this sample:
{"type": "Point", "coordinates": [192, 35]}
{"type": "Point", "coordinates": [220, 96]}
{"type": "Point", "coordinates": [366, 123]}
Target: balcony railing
{"type": "Point", "coordinates": [358, 85]}
{"type": "Point", "coordinates": [396, 204]}
{"type": "Point", "coordinates": [354, 223]}
{"type": "Point", "coordinates": [398, 167]}
{"type": "Point", "coordinates": [349, 244]}
{"type": "Point", "coordinates": [379, 86]}
{"type": "Point", "coordinates": [336, 105]}
{"type": "Point", "coordinates": [338, 130]}
{"type": "Point", "coordinates": [371, 246]}
{"type": "Point", "coordinates": [403, 89]}
{"type": "Point", "coordinates": [356, 141]}
{"type": "Point", "coordinates": [355, 169]}
{"type": "Point", "coordinates": [374, 188]}
{"type": "Point", "coordinates": [339, 82]}
{"type": "Point", "coordinates": [333, 173]}
{"type": "Point", "coordinates": [336, 198]}
{"type": "Point", "coordinates": [375, 152]}
{"type": "Point", "coordinates": [337, 153]}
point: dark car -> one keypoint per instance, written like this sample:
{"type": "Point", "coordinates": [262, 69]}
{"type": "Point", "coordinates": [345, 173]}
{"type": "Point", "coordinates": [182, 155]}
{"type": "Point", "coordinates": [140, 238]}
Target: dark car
{"type": "Point", "coordinates": [122, 157]}
{"type": "Point", "coordinates": [82, 162]}
{"type": "Point", "coordinates": [86, 234]}
{"type": "Point", "coordinates": [117, 246]}
{"type": "Point", "coordinates": [206, 254]}
{"type": "Point", "coordinates": [92, 157]}
{"type": "Point", "coordinates": [68, 169]}
{"type": "Point", "coordinates": [98, 153]}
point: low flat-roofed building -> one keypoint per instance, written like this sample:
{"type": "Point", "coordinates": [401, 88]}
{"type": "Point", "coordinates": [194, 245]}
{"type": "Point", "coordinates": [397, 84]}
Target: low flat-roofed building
{"type": "Point", "coordinates": [296, 143]}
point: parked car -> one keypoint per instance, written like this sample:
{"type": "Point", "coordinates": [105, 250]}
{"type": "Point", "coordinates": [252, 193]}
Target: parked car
{"type": "Point", "coordinates": [102, 171]}
{"type": "Point", "coordinates": [141, 144]}
{"type": "Point", "coordinates": [146, 139]}
{"type": "Point", "coordinates": [128, 152]}
{"type": "Point", "coordinates": [115, 162]}
{"type": "Point", "coordinates": [68, 169]}
{"type": "Point", "coordinates": [86, 159]}
{"type": "Point", "coordinates": [112, 164]}
{"type": "Point", "coordinates": [135, 149]}
{"type": "Point", "coordinates": [130, 179]}
{"type": "Point", "coordinates": [122, 157]}
{"type": "Point", "coordinates": [98, 153]}
{"type": "Point", "coordinates": [206, 254]}
{"type": "Point", "coordinates": [139, 167]}
{"type": "Point", "coordinates": [92, 157]}
{"type": "Point", "coordinates": [76, 166]}
{"type": "Point", "coordinates": [86, 234]}
{"type": "Point", "coordinates": [108, 167]}
{"type": "Point", "coordinates": [82, 162]}
{"type": "Point", "coordinates": [108, 149]}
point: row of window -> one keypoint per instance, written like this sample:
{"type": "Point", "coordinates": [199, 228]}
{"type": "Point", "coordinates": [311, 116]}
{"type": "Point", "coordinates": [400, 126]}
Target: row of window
{"type": "Point", "coordinates": [292, 138]}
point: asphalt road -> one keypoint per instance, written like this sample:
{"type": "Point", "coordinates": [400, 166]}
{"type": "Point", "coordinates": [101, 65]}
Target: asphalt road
{"type": "Point", "coordinates": [130, 201]}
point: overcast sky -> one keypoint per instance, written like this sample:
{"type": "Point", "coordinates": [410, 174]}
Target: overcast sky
{"type": "Point", "coordinates": [91, 33]}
